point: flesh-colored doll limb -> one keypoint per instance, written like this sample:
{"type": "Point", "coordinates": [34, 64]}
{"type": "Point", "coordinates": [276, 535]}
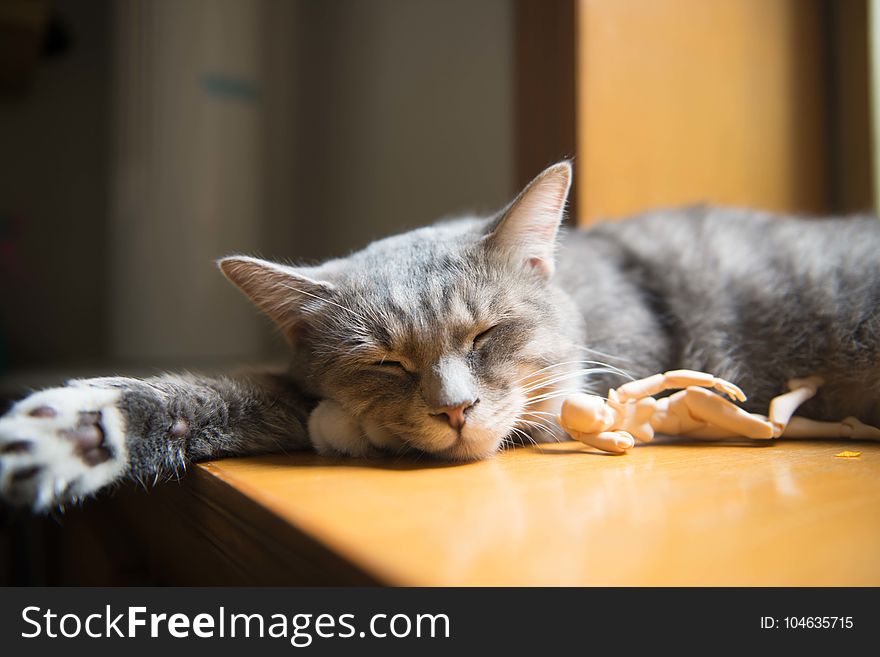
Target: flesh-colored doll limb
{"type": "Point", "coordinates": [696, 406]}
{"type": "Point", "coordinates": [676, 379]}
{"type": "Point", "coordinates": [698, 413]}
{"type": "Point", "coordinates": [788, 425]}
{"type": "Point", "coordinates": [617, 442]}
{"type": "Point", "coordinates": [724, 420]}
{"type": "Point", "coordinates": [695, 412]}
{"type": "Point", "coordinates": [801, 427]}
{"type": "Point", "coordinates": [782, 408]}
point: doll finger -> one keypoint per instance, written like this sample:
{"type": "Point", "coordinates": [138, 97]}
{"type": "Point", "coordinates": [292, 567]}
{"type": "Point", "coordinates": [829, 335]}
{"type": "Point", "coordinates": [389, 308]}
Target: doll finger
{"type": "Point", "coordinates": [623, 440]}
{"type": "Point", "coordinates": [731, 390]}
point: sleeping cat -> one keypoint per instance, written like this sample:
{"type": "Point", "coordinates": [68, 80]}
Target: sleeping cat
{"type": "Point", "coordinates": [460, 338]}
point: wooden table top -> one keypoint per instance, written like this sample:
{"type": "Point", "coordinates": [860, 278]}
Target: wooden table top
{"type": "Point", "coordinates": [665, 514]}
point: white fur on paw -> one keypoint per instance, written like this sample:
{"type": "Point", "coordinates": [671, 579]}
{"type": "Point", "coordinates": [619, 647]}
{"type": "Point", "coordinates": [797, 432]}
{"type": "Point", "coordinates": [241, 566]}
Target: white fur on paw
{"type": "Point", "coordinates": [59, 445]}
{"type": "Point", "coordinates": [383, 438]}
{"type": "Point", "coordinates": [333, 431]}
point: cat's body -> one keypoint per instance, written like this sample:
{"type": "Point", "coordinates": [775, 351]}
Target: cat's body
{"type": "Point", "coordinates": [751, 297]}
{"type": "Point", "coordinates": [456, 338]}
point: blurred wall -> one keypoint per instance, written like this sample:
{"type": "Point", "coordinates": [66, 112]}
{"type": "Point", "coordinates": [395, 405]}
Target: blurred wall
{"type": "Point", "coordinates": [405, 115]}
{"type": "Point", "coordinates": [54, 193]}
{"type": "Point", "coordinates": [373, 117]}
{"type": "Point", "coordinates": [190, 119]}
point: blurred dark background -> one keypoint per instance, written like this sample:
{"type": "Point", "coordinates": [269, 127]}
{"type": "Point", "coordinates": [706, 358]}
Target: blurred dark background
{"type": "Point", "coordinates": [142, 139]}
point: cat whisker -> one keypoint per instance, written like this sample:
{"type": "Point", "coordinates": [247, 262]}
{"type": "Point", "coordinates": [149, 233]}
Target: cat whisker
{"type": "Point", "coordinates": [552, 378]}
{"type": "Point", "coordinates": [540, 425]}
{"type": "Point", "coordinates": [551, 416]}
{"type": "Point", "coordinates": [524, 435]}
{"type": "Point", "coordinates": [549, 367]}
{"type": "Point", "coordinates": [562, 377]}
{"type": "Point", "coordinates": [546, 397]}
{"type": "Point", "coordinates": [552, 428]}
{"type": "Point", "coordinates": [615, 370]}
{"type": "Point", "coordinates": [548, 388]}
{"type": "Point", "coordinates": [605, 355]}
{"type": "Point", "coordinates": [553, 395]}
{"type": "Point", "coordinates": [532, 423]}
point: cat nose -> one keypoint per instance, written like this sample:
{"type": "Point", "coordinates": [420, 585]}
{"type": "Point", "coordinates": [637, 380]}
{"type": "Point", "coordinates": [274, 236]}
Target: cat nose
{"type": "Point", "coordinates": [456, 415]}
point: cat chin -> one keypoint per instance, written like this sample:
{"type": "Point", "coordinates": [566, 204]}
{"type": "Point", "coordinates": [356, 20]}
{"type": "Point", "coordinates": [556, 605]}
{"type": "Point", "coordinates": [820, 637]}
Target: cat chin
{"type": "Point", "coordinates": [475, 442]}
{"type": "Point", "coordinates": [464, 452]}
{"type": "Point", "coordinates": [382, 437]}
{"type": "Point", "coordinates": [470, 446]}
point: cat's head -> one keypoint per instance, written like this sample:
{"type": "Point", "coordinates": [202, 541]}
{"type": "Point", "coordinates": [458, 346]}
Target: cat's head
{"type": "Point", "coordinates": [448, 338]}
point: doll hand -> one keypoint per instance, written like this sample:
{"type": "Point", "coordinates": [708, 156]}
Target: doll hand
{"type": "Point", "coordinates": [729, 389]}
{"type": "Point", "coordinates": [616, 442]}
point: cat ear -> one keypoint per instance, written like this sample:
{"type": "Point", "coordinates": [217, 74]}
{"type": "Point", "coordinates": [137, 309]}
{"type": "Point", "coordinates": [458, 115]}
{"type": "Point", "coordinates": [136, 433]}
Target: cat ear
{"type": "Point", "coordinates": [527, 230]}
{"type": "Point", "coordinates": [278, 290]}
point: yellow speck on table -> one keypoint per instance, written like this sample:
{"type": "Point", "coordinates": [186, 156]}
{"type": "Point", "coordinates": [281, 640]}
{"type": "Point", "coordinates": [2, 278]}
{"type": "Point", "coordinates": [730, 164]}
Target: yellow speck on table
{"type": "Point", "coordinates": [665, 514]}
{"type": "Point", "coordinates": [846, 454]}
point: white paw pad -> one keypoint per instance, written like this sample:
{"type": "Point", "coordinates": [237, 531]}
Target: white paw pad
{"type": "Point", "coordinates": [59, 445]}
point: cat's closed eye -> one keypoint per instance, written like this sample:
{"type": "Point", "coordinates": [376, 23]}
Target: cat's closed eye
{"type": "Point", "coordinates": [390, 365]}
{"type": "Point", "coordinates": [481, 338]}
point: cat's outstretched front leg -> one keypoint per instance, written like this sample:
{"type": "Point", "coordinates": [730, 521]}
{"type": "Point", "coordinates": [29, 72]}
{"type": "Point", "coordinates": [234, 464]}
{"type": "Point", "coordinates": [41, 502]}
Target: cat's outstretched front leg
{"type": "Point", "coordinates": [63, 444]}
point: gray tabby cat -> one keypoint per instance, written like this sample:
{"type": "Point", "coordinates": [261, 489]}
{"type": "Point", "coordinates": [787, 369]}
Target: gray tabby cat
{"type": "Point", "coordinates": [459, 338]}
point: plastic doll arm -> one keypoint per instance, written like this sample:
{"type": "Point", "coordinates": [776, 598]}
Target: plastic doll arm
{"type": "Point", "coordinates": [676, 379]}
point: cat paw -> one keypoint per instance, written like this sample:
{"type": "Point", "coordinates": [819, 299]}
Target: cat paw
{"type": "Point", "coordinates": [59, 445]}
{"type": "Point", "coordinates": [333, 431]}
